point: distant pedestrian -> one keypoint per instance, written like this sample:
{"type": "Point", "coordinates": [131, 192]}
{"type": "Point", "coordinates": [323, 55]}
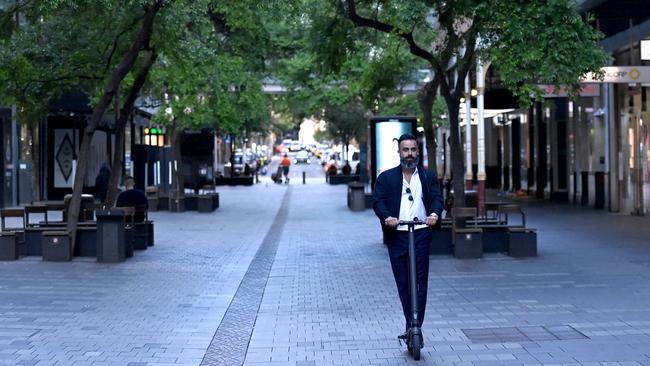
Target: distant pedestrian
{"type": "Point", "coordinates": [346, 169]}
{"type": "Point", "coordinates": [331, 169]}
{"type": "Point", "coordinates": [101, 182]}
{"type": "Point", "coordinates": [407, 192]}
{"type": "Point", "coordinates": [285, 163]}
{"type": "Point", "coordinates": [132, 197]}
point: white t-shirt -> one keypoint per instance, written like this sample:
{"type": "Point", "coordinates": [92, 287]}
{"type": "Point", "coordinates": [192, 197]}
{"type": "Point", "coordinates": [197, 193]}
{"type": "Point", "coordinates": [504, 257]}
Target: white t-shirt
{"type": "Point", "coordinates": [410, 209]}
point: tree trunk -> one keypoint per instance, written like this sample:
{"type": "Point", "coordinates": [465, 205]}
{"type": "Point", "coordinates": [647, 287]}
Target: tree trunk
{"type": "Point", "coordinates": [118, 74]}
{"type": "Point", "coordinates": [426, 97]}
{"type": "Point", "coordinates": [125, 114]}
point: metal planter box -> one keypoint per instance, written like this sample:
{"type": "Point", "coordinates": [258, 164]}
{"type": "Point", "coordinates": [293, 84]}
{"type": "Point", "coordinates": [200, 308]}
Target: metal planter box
{"type": "Point", "coordinates": [8, 246]}
{"type": "Point", "coordinates": [522, 242]}
{"type": "Point", "coordinates": [208, 202]}
{"type": "Point", "coordinates": [468, 243]}
{"type": "Point", "coordinates": [441, 241]}
{"type": "Point", "coordinates": [56, 246]}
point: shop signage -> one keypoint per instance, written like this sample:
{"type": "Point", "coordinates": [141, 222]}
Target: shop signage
{"type": "Point", "coordinates": [621, 74]}
{"type": "Point", "coordinates": [587, 90]}
{"type": "Point", "coordinates": [645, 49]}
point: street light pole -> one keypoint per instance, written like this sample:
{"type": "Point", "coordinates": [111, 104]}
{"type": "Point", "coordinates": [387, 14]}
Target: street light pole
{"type": "Point", "coordinates": [480, 87]}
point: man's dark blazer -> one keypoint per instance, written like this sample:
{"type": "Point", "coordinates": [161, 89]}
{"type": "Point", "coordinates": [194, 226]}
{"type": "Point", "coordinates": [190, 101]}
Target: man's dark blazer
{"type": "Point", "coordinates": [387, 195]}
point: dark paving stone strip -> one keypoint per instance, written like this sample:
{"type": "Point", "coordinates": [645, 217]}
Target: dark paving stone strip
{"type": "Point", "coordinates": [523, 334]}
{"type": "Point", "coordinates": [230, 341]}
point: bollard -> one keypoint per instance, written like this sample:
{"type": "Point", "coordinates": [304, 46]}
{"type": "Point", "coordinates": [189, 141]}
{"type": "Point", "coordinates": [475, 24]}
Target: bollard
{"type": "Point", "coordinates": [303, 177]}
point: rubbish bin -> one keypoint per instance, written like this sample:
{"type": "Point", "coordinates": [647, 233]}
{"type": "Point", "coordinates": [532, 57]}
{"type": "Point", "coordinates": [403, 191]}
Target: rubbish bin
{"type": "Point", "coordinates": [356, 196]}
{"type": "Point", "coordinates": [111, 238]}
{"type": "Point", "coordinates": [86, 202]}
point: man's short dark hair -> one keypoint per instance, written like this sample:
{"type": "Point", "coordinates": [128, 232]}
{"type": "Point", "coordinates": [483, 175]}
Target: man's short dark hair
{"type": "Point", "coordinates": [129, 180]}
{"type": "Point", "coordinates": [406, 136]}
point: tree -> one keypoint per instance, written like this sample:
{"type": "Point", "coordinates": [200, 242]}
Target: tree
{"type": "Point", "coordinates": [140, 42]}
{"type": "Point", "coordinates": [325, 79]}
{"type": "Point", "coordinates": [97, 47]}
{"type": "Point", "coordinates": [219, 86]}
{"type": "Point", "coordinates": [514, 35]}
{"type": "Point", "coordinates": [346, 122]}
{"type": "Point", "coordinates": [65, 45]}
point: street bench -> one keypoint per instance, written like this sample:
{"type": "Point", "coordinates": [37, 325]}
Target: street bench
{"type": "Point", "coordinates": [36, 232]}
{"type": "Point", "coordinates": [50, 239]}
{"type": "Point", "coordinates": [205, 203]}
{"type": "Point", "coordinates": [246, 180]}
{"type": "Point", "coordinates": [341, 178]}
{"type": "Point", "coordinates": [500, 233]}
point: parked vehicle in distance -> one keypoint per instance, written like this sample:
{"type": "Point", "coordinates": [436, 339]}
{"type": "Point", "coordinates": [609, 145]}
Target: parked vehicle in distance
{"type": "Point", "coordinates": [302, 156]}
{"type": "Point", "coordinates": [240, 161]}
{"type": "Point", "coordinates": [295, 146]}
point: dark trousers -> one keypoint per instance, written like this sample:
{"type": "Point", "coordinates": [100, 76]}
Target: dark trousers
{"type": "Point", "coordinates": [398, 242]}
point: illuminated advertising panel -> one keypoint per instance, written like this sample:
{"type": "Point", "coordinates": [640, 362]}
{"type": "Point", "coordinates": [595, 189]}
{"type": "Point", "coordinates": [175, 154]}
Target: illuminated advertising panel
{"type": "Point", "coordinates": [384, 133]}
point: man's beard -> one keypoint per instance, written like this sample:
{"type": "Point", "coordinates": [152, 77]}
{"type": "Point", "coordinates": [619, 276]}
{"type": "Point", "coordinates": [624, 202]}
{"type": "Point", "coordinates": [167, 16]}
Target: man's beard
{"type": "Point", "coordinates": [407, 163]}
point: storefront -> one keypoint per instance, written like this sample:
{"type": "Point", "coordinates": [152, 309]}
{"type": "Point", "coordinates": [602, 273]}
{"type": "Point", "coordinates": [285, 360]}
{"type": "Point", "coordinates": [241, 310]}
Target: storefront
{"type": "Point", "coordinates": [633, 139]}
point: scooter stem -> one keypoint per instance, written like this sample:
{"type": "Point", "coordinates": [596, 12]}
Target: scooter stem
{"type": "Point", "coordinates": [412, 277]}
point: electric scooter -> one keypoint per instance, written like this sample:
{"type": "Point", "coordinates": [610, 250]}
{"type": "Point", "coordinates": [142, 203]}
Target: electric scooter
{"type": "Point", "coordinates": [413, 335]}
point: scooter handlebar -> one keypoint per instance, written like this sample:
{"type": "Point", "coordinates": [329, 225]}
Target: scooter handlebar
{"type": "Point", "coordinates": [412, 222]}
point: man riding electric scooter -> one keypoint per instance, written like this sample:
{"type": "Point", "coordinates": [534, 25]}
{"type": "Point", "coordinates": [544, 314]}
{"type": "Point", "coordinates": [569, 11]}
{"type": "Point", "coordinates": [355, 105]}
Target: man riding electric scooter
{"type": "Point", "coordinates": [402, 195]}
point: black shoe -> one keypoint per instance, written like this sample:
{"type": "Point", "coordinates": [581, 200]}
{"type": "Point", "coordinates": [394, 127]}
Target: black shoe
{"type": "Point", "coordinates": [403, 336]}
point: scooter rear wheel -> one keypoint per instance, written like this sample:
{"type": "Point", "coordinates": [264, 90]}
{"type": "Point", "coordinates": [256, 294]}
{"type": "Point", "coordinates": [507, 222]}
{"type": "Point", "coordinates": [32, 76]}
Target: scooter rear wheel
{"type": "Point", "coordinates": [415, 348]}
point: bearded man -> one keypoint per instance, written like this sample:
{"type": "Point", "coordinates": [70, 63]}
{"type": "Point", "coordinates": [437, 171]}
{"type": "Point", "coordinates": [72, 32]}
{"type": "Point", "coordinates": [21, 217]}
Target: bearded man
{"type": "Point", "coordinates": [404, 193]}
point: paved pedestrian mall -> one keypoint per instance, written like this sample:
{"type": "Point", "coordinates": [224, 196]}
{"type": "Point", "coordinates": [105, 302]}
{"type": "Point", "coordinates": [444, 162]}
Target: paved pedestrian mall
{"type": "Point", "coordinates": [288, 275]}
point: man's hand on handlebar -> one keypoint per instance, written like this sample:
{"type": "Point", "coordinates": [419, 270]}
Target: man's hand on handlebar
{"type": "Point", "coordinates": [431, 220]}
{"type": "Point", "coordinates": [391, 221]}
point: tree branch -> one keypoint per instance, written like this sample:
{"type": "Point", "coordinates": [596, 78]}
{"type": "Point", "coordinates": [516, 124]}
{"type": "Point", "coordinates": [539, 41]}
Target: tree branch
{"type": "Point", "coordinates": [125, 113]}
{"type": "Point", "coordinates": [465, 64]}
{"type": "Point", "coordinates": [116, 42]}
{"type": "Point", "coordinates": [360, 21]}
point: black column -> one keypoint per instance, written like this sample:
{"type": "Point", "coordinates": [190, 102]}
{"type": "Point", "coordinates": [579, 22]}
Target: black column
{"type": "Point", "coordinates": [139, 158]}
{"type": "Point", "coordinates": [531, 150]}
{"type": "Point", "coordinates": [542, 165]}
{"type": "Point", "coordinates": [5, 116]}
{"type": "Point", "coordinates": [515, 151]}
{"type": "Point", "coordinates": [500, 163]}
{"type": "Point", "coordinates": [561, 136]}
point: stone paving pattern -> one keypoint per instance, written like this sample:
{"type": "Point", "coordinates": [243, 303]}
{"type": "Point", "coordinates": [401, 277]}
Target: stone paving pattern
{"type": "Point", "coordinates": [330, 298]}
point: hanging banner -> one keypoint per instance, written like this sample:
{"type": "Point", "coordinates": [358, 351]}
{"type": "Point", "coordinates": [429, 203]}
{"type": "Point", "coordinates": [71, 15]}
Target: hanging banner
{"type": "Point", "coordinates": [644, 45]}
{"type": "Point", "coordinates": [621, 74]}
{"type": "Point", "coordinates": [65, 151]}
